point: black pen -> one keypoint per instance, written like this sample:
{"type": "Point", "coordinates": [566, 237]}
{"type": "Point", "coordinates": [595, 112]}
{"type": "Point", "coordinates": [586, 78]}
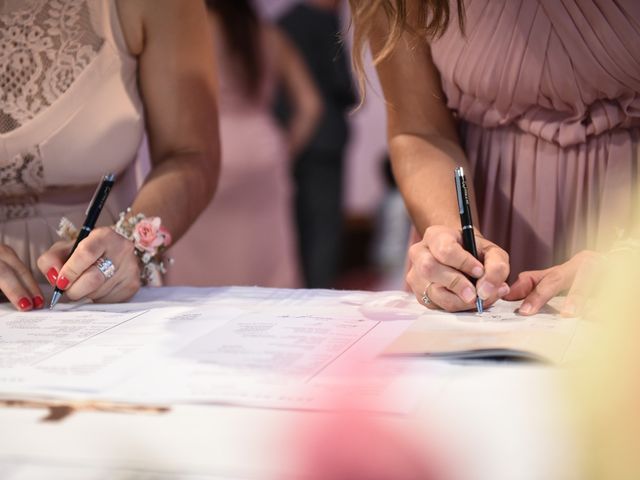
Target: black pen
{"type": "Point", "coordinates": [93, 212]}
{"type": "Point", "coordinates": [468, 234]}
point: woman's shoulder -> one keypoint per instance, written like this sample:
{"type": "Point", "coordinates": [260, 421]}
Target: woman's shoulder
{"type": "Point", "coordinates": [142, 18]}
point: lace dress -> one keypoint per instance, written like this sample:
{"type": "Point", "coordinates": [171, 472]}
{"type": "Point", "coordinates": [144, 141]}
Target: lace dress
{"type": "Point", "coordinates": [69, 112]}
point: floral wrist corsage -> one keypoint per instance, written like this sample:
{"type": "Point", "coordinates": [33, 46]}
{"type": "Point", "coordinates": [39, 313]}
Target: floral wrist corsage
{"type": "Point", "coordinates": [150, 240]}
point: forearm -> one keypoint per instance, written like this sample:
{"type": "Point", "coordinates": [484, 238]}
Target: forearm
{"type": "Point", "coordinates": [423, 167]}
{"type": "Point", "coordinates": [178, 189]}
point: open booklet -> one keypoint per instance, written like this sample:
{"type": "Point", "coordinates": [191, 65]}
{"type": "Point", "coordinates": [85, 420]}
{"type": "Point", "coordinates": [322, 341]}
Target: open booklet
{"type": "Point", "coordinates": [499, 333]}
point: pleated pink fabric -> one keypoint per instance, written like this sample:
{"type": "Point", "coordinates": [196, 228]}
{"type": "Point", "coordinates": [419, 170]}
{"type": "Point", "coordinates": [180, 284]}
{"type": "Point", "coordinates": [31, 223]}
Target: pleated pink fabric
{"type": "Point", "coordinates": [548, 94]}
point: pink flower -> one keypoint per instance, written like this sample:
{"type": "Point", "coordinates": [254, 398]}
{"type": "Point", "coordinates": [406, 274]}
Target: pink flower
{"type": "Point", "coordinates": [148, 236]}
{"type": "Point", "coordinates": [166, 236]}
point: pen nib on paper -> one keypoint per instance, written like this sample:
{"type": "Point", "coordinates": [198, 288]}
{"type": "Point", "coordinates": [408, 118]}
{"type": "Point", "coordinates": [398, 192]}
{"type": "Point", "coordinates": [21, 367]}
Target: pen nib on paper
{"type": "Point", "coordinates": [479, 305]}
{"type": "Point", "coordinates": [54, 299]}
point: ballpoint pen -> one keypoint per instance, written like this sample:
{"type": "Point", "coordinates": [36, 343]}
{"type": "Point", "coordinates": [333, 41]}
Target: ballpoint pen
{"type": "Point", "coordinates": [93, 212]}
{"type": "Point", "coordinates": [468, 234]}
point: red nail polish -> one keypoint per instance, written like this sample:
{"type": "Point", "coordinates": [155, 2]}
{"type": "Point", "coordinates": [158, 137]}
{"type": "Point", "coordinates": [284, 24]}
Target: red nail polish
{"type": "Point", "coordinates": [24, 303]}
{"type": "Point", "coordinates": [62, 283]}
{"type": "Point", "coordinates": [38, 301]}
{"type": "Point", "coordinates": [52, 275]}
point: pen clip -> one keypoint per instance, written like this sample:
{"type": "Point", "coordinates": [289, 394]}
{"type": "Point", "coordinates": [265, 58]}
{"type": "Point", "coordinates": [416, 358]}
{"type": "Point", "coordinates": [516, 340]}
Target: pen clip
{"type": "Point", "coordinates": [458, 177]}
{"type": "Point", "coordinates": [109, 177]}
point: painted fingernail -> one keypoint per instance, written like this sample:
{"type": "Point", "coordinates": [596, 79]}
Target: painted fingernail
{"type": "Point", "coordinates": [468, 295]}
{"type": "Point", "coordinates": [525, 309]}
{"type": "Point", "coordinates": [486, 290]}
{"type": "Point", "coordinates": [38, 302]}
{"type": "Point", "coordinates": [62, 283]}
{"type": "Point", "coordinates": [52, 275]}
{"type": "Point", "coordinates": [504, 290]}
{"type": "Point", "coordinates": [477, 272]}
{"type": "Point", "coordinates": [24, 303]}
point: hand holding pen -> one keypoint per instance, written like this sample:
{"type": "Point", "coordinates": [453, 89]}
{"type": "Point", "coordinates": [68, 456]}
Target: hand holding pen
{"type": "Point", "coordinates": [100, 264]}
{"type": "Point", "coordinates": [466, 221]}
{"type": "Point", "coordinates": [442, 271]}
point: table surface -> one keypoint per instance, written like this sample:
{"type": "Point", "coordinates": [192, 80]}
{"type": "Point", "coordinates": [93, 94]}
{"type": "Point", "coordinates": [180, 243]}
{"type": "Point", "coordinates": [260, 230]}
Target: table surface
{"type": "Point", "coordinates": [498, 420]}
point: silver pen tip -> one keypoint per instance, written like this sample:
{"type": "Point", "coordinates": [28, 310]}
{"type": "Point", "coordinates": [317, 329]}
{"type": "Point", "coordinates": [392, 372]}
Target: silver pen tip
{"type": "Point", "coordinates": [479, 305]}
{"type": "Point", "coordinates": [54, 299]}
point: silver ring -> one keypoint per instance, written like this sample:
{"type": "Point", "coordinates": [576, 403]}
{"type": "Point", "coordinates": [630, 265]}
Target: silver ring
{"type": "Point", "coordinates": [425, 297]}
{"type": "Point", "coordinates": [106, 266]}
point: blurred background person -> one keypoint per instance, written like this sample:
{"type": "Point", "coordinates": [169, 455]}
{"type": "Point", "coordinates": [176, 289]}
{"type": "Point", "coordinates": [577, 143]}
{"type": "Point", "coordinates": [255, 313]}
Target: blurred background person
{"type": "Point", "coordinates": [391, 234]}
{"type": "Point", "coordinates": [81, 81]}
{"type": "Point", "coordinates": [246, 236]}
{"type": "Point", "coordinates": [314, 27]}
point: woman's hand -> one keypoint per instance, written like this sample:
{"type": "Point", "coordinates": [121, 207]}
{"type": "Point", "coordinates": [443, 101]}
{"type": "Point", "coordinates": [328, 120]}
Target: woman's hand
{"type": "Point", "coordinates": [79, 277]}
{"type": "Point", "coordinates": [537, 287]}
{"type": "Point", "coordinates": [439, 264]}
{"type": "Point", "coordinates": [17, 283]}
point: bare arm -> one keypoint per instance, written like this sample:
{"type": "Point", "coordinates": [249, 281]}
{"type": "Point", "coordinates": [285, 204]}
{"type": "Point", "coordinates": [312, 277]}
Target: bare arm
{"type": "Point", "coordinates": [177, 80]}
{"type": "Point", "coordinates": [423, 141]}
{"type": "Point", "coordinates": [176, 75]}
{"type": "Point", "coordinates": [301, 90]}
{"type": "Point", "coordinates": [425, 149]}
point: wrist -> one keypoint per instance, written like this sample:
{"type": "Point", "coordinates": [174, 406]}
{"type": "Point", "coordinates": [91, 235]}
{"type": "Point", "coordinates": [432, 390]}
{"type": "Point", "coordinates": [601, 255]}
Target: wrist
{"type": "Point", "coordinates": [150, 240]}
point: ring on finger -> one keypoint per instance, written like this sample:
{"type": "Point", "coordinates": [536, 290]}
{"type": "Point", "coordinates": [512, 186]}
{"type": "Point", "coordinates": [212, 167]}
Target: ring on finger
{"type": "Point", "coordinates": [425, 295]}
{"type": "Point", "coordinates": [106, 266]}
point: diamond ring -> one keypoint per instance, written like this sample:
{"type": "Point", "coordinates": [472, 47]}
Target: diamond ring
{"type": "Point", "coordinates": [425, 296]}
{"type": "Point", "coordinates": [106, 266]}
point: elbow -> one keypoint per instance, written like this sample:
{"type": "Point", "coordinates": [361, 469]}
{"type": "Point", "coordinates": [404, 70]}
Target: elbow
{"type": "Point", "coordinates": [209, 172]}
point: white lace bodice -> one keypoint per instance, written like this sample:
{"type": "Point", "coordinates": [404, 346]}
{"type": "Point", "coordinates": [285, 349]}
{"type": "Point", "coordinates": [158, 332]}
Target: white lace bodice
{"type": "Point", "coordinates": [69, 105]}
{"type": "Point", "coordinates": [44, 46]}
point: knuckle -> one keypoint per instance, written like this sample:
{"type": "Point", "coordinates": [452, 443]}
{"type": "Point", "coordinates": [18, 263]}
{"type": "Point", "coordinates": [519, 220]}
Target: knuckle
{"type": "Point", "coordinates": [100, 234]}
{"type": "Point", "coordinates": [22, 271]}
{"type": "Point", "coordinates": [414, 251]}
{"type": "Point", "coordinates": [428, 266]}
{"type": "Point", "coordinates": [555, 276]}
{"type": "Point", "coordinates": [410, 277]}
{"type": "Point", "coordinates": [132, 287]}
{"type": "Point", "coordinates": [502, 270]}
{"type": "Point", "coordinates": [446, 250]}
{"type": "Point", "coordinates": [42, 262]}
{"type": "Point", "coordinates": [87, 251]}
{"type": "Point", "coordinates": [5, 270]}
{"type": "Point", "coordinates": [454, 283]}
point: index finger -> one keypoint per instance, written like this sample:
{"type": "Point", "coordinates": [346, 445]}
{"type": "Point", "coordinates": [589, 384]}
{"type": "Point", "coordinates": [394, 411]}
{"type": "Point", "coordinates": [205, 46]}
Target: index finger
{"type": "Point", "coordinates": [496, 269]}
{"type": "Point", "coordinates": [447, 250]}
{"type": "Point", "coordinates": [85, 256]}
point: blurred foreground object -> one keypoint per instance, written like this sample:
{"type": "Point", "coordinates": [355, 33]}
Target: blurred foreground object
{"type": "Point", "coordinates": [607, 388]}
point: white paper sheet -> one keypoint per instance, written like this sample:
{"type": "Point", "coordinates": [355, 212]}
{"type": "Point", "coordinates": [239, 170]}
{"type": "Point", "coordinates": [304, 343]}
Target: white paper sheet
{"type": "Point", "coordinates": [258, 347]}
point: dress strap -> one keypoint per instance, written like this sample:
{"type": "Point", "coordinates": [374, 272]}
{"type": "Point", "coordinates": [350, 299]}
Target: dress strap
{"type": "Point", "coordinates": [108, 16]}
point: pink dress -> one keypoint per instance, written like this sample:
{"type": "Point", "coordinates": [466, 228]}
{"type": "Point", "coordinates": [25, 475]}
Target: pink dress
{"type": "Point", "coordinates": [548, 94]}
{"type": "Point", "coordinates": [70, 112]}
{"type": "Point", "coordinates": [245, 235]}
